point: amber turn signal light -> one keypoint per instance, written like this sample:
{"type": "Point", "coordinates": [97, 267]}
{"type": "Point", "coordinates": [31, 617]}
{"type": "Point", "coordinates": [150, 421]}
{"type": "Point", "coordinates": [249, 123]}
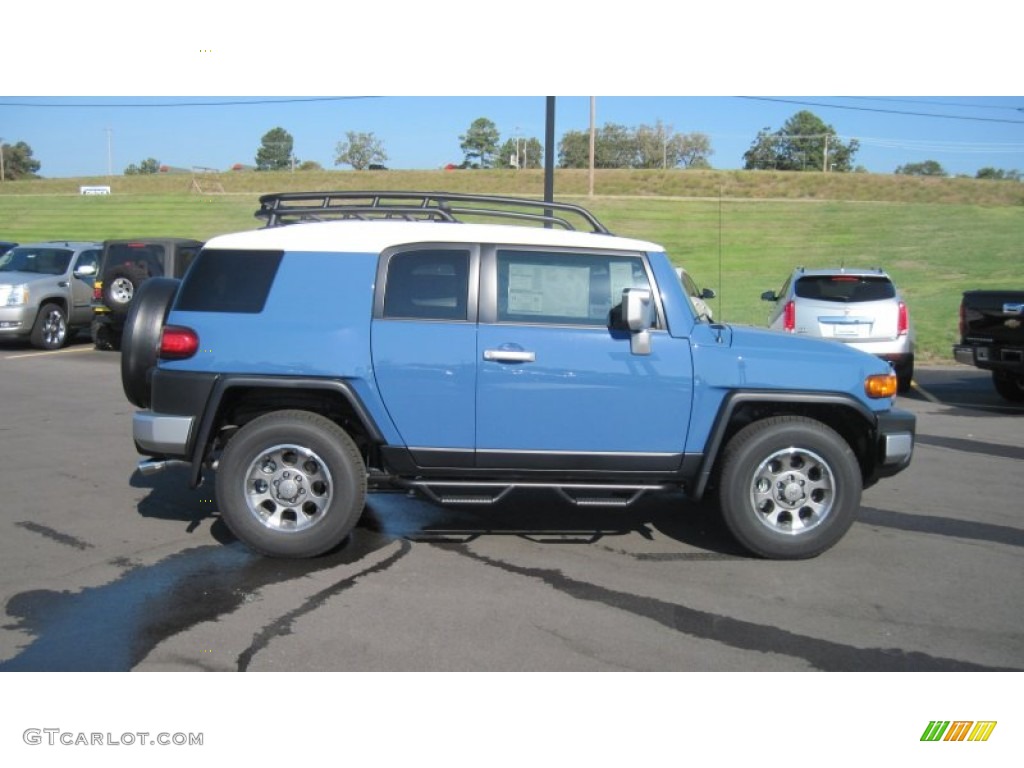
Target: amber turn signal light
{"type": "Point", "coordinates": [880, 385]}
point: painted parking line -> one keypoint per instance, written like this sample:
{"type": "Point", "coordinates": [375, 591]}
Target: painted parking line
{"type": "Point", "coordinates": [68, 351]}
{"type": "Point", "coordinates": [925, 393]}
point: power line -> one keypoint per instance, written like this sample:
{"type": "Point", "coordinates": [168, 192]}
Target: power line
{"type": "Point", "coordinates": [184, 103]}
{"type": "Point", "coordinates": [884, 111]}
{"type": "Point", "coordinates": [932, 102]}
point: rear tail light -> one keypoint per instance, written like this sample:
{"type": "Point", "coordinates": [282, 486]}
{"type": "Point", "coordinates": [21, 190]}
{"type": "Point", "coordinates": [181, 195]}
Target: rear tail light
{"type": "Point", "coordinates": [789, 317]}
{"type": "Point", "coordinates": [97, 291]}
{"type": "Point", "coordinates": [903, 324]}
{"type": "Point", "coordinates": [177, 343]}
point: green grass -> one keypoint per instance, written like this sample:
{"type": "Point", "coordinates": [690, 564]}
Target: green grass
{"type": "Point", "coordinates": [739, 233]}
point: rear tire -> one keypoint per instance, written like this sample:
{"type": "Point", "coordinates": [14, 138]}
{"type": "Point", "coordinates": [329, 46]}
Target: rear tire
{"type": "Point", "coordinates": [291, 484]}
{"type": "Point", "coordinates": [1010, 386]}
{"type": "Point", "coordinates": [789, 487]}
{"type": "Point", "coordinates": [120, 286]}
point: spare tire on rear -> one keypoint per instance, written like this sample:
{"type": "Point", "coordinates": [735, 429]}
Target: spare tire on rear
{"type": "Point", "coordinates": [140, 342]}
{"type": "Point", "coordinates": [120, 286]}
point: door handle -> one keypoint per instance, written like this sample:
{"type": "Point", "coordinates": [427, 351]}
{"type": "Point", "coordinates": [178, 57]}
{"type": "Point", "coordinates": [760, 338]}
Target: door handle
{"type": "Point", "coordinates": [509, 356]}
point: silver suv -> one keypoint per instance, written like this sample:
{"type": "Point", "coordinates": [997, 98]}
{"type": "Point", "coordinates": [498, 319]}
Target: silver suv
{"type": "Point", "coordinates": [46, 291]}
{"type": "Point", "coordinates": [859, 307]}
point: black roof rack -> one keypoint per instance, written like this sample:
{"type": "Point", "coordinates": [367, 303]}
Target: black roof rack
{"type": "Point", "coordinates": [283, 208]}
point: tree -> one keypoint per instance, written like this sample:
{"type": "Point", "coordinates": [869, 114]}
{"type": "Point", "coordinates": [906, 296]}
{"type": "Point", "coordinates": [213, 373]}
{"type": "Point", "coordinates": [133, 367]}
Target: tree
{"type": "Point", "coordinates": [275, 152]}
{"type": "Point", "coordinates": [927, 168]}
{"type": "Point", "coordinates": [804, 143]}
{"type": "Point", "coordinates": [520, 153]}
{"type": "Point", "coordinates": [360, 150]}
{"type": "Point", "coordinates": [659, 146]}
{"type": "Point", "coordinates": [615, 146]}
{"type": "Point", "coordinates": [18, 162]}
{"type": "Point", "coordinates": [998, 174]}
{"type": "Point", "coordinates": [479, 144]}
{"type": "Point", "coordinates": [149, 165]}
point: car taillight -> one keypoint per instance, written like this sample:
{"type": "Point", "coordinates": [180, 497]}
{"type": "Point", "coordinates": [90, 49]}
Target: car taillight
{"type": "Point", "coordinates": [789, 317]}
{"type": "Point", "coordinates": [97, 291]}
{"type": "Point", "coordinates": [177, 343]}
{"type": "Point", "coordinates": [903, 324]}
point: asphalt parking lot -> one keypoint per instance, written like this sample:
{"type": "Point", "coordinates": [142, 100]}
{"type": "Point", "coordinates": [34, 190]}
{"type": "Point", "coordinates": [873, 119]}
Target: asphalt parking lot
{"type": "Point", "coordinates": [102, 569]}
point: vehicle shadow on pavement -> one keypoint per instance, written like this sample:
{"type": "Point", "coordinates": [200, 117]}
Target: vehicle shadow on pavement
{"type": "Point", "coordinates": [171, 499]}
{"type": "Point", "coordinates": [547, 519]}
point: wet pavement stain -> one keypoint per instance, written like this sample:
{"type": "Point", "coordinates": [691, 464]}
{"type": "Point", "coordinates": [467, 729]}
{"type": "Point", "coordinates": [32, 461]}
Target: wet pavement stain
{"type": "Point", "coordinates": [111, 628]}
{"type": "Point", "coordinates": [823, 655]}
{"type": "Point", "coordinates": [54, 535]}
{"type": "Point", "coordinates": [283, 625]}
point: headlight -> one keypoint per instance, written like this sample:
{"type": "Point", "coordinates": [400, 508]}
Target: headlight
{"type": "Point", "coordinates": [13, 295]}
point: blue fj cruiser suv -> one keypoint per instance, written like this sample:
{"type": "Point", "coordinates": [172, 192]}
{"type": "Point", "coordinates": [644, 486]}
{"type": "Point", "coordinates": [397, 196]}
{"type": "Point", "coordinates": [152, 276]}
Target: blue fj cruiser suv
{"type": "Point", "coordinates": [464, 346]}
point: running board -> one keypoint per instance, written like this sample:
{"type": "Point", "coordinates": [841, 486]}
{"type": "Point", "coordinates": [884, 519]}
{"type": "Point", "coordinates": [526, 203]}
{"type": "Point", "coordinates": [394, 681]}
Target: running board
{"type": "Point", "coordinates": [453, 492]}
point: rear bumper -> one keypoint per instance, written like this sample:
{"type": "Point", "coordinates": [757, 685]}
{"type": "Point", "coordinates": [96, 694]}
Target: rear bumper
{"type": "Point", "coordinates": [160, 435]}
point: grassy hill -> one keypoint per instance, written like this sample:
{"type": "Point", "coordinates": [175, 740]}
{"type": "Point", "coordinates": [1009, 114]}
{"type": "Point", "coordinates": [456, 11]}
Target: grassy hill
{"type": "Point", "coordinates": [740, 233]}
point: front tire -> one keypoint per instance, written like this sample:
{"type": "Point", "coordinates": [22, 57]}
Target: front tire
{"type": "Point", "coordinates": [291, 484]}
{"type": "Point", "coordinates": [789, 487]}
{"type": "Point", "coordinates": [50, 330]}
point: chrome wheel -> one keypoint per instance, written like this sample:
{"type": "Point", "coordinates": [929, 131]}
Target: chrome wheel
{"type": "Point", "coordinates": [121, 290]}
{"type": "Point", "coordinates": [55, 329]}
{"type": "Point", "coordinates": [793, 491]}
{"type": "Point", "coordinates": [288, 488]}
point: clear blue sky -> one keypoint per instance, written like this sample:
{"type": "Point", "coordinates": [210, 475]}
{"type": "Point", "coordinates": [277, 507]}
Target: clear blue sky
{"type": "Point", "coordinates": [911, 89]}
{"type": "Point", "coordinates": [69, 136]}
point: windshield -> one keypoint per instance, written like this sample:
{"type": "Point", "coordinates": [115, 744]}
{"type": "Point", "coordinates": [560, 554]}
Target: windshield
{"type": "Point", "coordinates": [44, 261]}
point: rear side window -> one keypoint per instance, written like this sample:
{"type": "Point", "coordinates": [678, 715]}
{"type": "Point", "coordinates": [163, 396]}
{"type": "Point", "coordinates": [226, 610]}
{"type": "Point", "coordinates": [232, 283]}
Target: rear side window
{"type": "Point", "coordinates": [845, 288]}
{"type": "Point", "coordinates": [427, 285]}
{"type": "Point", "coordinates": [229, 281]}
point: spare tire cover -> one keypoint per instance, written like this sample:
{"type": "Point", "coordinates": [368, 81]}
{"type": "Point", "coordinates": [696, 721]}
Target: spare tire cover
{"type": "Point", "coordinates": [140, 344]}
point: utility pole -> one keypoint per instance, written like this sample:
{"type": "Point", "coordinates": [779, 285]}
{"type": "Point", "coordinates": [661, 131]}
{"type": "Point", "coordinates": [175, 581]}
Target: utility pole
{"type": "Point", "coordinates": [824, 162]}
{"type": "Point", "coordinates": [593, 142]}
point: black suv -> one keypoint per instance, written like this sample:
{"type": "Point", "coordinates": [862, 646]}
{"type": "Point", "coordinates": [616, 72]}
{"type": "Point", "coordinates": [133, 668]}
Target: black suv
{"type": "Point", "coordinates": [126, 264]}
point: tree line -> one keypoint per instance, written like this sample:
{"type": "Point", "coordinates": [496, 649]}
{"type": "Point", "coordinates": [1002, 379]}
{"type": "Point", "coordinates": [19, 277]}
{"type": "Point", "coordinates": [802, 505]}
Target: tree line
{"type": "Point", "coordinates": [803, 143]}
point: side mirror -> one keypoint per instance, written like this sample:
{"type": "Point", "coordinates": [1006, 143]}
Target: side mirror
{"type": "Point", "coordinates": [86, 270]}
{"type": "Point", "coordinates": [769, 296]}
{"type": "Point", "coordinates": [707, 293]}
{"type": "Point", "coordinates": [638, 315]}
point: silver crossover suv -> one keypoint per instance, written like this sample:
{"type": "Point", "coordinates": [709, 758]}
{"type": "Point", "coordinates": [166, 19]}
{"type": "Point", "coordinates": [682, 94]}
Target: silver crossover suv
{"type": "Point", "coordinates": [859, 307]}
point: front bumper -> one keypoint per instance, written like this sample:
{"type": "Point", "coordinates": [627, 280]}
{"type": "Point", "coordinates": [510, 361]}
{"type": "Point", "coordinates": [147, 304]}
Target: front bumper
{"type": "Point", "coordinates": [17, 321]}
{"type": "Point", "coordinates": [894, 442]}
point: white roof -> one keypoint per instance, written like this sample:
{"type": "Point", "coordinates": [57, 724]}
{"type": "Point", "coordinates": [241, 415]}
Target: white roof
{"type": "Point", "coordinates": [374, 236]}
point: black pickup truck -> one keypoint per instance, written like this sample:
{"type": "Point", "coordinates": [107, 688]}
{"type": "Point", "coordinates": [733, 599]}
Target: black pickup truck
{"type": "Point", "coordinates": [992, 338]}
